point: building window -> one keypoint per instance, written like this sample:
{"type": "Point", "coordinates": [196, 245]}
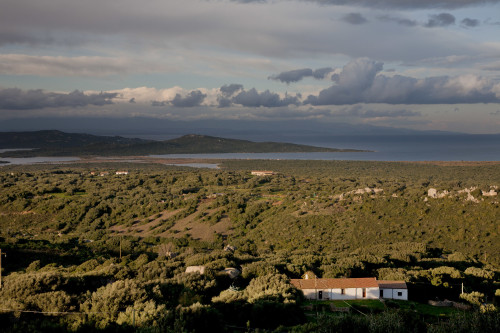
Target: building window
{"type": "Point", "coordinates": [342, 291]}
{"type": "Point", "coordinates": [400, 293]}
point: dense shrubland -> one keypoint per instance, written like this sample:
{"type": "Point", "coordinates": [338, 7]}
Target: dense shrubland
{"type": "Point", "coordinates": [110, 252]}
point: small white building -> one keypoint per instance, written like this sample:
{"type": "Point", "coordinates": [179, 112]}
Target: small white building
{"type": "Point", "coordinates": [196, 269]}
{"type": "Point", "coordinates": [393, 290]}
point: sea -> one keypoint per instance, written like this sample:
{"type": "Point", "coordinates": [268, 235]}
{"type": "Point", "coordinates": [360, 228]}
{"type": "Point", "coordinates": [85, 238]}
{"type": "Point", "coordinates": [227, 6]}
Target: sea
{"type": "Point", "coordinates": [385, 148]}
{"type": "Point", "coordinates": [460, 147]}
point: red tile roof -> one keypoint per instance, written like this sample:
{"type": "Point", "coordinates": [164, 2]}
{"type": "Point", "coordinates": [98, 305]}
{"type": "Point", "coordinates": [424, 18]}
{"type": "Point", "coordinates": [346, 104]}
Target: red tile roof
{"type": "Point", "coordinates": [335, 283]}
{"type": "Point", "coordinates": [386, 284]}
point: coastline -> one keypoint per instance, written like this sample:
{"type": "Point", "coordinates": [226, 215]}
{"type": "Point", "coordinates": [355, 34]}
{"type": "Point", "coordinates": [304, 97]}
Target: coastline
{"type": "Point", "coordinates": [199, 161]}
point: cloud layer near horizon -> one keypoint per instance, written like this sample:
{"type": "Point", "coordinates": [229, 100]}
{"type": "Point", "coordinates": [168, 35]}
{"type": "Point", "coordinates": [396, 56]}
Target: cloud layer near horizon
{"type": "Point", "coordinates": [359, 81]}
{"type": "Point", "coordinates": [17, 99]}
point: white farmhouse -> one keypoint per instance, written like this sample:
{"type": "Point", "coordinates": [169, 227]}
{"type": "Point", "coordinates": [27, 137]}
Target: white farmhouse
{"type": "Point", "coordinates": [350, 288]}
{"type": "Point", "coordinates": [343, 289]}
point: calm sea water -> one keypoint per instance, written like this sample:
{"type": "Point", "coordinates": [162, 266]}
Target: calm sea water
{"type": "Point", "coordinates": [386, 148]}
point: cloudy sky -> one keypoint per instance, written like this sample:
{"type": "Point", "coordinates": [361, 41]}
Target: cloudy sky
{"type": "Point", "coordinates": [418, 64]}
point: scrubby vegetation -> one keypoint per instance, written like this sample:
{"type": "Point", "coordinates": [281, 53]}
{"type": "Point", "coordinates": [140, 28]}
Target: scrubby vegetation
{"type": "Point", "coordinates": [91, 252]}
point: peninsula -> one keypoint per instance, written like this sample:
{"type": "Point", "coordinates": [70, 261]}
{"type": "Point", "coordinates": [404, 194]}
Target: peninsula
{"type": "Point", "coordinates": [57, 143]}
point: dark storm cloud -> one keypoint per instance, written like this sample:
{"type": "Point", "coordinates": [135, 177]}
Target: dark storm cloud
{"type": "Point", "coordinates": [354, 18]}
{"type": "Point", "coordinates": [400, 4]}
{"type": "Point", "coordinates": [224, 99]}
{"type": "Point", "coordinates": [440, 20]}
{"type": "Point", "coordinates": [298, 74]}
{"type": "Point", "coordinates": [224, 102]}
{"type": "Point", "coordinates": [321, 73]}
{"type": "Point", "coordinates": [17, 99]}
{"type": "Point", "coordinates": [359, 83]}
{"type": "Point", "coordinates": [401, 21]}
{"type": "Point", "coordinates": [229, 90]}
{"type": "Point", "coordinates": [292, 76]}
{"type": "Point", "coordinates": [194, 98]}
{"type": "Point", "coordinates": [470, 23]}
{"type": "Point", "coordinates": [252, 98]}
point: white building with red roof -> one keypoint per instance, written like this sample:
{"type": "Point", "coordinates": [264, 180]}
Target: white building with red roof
{"type": "Point", "coordinates": [350, 288]}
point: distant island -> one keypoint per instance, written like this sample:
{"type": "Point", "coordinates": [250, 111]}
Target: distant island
{"type": "Point", "coordinates": [57, 143]}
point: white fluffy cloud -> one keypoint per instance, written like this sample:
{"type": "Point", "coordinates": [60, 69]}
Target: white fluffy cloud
{"type": "Point", "coordinates": [360, 81]}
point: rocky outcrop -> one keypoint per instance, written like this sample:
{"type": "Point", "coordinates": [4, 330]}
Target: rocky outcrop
{"type": "Point", "coordinates": [433, 193]}
{"type": "Point", "coordinates": [469, 196]}
{"type": "Point", "coordinates": [366, 190]}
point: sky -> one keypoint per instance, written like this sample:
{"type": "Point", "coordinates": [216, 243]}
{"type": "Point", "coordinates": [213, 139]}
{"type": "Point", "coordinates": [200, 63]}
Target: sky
{"type": "Point", "coordinates": [416, 64]}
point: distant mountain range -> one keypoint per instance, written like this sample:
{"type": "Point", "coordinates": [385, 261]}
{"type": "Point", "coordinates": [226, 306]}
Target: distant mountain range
{"type": "Point", "coordinates": [57, 143]}
{"type": "Point", "coordinates": [302, 132]}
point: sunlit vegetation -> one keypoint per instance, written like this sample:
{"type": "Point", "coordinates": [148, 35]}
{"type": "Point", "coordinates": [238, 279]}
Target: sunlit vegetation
{"type": "Point", "coordinates": [110, 252]}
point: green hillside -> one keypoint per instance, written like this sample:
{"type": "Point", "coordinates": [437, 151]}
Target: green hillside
{"type": "Point", "coordinates": [83, 239]}
{"type": "Point", "coordinates": [52, 139]}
